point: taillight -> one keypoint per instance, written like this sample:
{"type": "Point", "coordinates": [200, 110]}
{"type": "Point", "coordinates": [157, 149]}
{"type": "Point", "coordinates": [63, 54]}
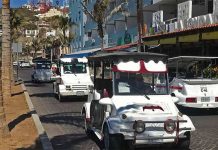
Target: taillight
{"type": "Point", "coordinates": [191, 100]}
{"type": "Point", "coordinates": [216, 99]}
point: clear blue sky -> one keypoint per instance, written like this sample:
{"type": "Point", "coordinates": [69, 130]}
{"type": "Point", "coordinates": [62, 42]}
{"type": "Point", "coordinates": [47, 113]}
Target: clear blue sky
{"type": "Point", "coordinates": [18, 3]}
{"type": "Point", "coordinates": [15, 3]}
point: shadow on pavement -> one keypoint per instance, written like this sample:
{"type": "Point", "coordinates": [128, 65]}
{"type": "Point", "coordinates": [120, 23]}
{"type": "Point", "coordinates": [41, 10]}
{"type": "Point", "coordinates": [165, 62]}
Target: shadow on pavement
{"type": "Point", "coordinates": [198, 112]}
{"type": "Point", "coordinates": [73, 99]}
{"type": "Point", "coordinates": [64, 118]}
{"type": "Point", "coordinates": [28, 81]}
{"type": "Point", "coordinates": [42, 95]}
{"type": "Point", "coordinates": [36, 146]}
{"type": "Point", "coordinates": [73, 142]}
{"type": "Point", "coordinates": [35, 85]}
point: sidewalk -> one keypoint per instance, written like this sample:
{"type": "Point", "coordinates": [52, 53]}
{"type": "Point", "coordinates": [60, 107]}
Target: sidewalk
{"type": "Point", "coordinates": [24, 135]}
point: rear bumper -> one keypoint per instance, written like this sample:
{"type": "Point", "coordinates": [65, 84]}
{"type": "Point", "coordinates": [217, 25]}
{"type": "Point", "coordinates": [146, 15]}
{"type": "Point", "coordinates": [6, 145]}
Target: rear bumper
{"type": "Point", "coordinates": [200, 105]}
{"type": "Point", "coordinates": [73, 93]}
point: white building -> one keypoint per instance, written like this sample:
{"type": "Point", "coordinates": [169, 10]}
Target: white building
{"type": "Point", "coordinates": [52, 12]}
{"type": "Point", "coordinates": [78, 19]}
{"type": "Point", "coordinates": [159, 16]}
{"type": "Point", "coordinates": [31, 33]}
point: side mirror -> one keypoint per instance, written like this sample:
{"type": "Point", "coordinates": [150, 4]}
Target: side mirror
{"type": "Point", "coordinates": [105, 101]}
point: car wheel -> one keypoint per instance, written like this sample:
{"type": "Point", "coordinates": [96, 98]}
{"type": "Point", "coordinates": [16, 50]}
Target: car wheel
{"type": "Point", "coordinates": [112, 142]}
{"type": "Point", "coordinates": [184, 144]}
{"type": "Point", "coordinates": [86, 124]}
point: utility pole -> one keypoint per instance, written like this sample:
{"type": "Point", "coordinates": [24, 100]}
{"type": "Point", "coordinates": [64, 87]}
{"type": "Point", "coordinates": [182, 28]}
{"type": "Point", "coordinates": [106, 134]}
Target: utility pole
{"type": "Point", "coordinates": [140, 23]}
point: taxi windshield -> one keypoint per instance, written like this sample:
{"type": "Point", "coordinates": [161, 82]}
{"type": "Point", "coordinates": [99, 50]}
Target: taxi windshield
{"type": "Point", "coordinates": [43, 66]}
{"type": "Point", "coordinates": [140, 83]}
{"type": "Point", "coordinates": [69, 68]}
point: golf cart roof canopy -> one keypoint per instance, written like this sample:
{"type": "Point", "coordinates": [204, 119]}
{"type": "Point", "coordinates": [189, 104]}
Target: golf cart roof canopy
{"type": "Point", "coordinates": [186, 61]}
{"type": "Point", "coordinates": [69, 60]}
{"type": "Point", "coordinates": [129, 56]}
{"type": "Point", "coordinates": [190, 58]}
{"type": "Point", "coordinates": [133, 61]}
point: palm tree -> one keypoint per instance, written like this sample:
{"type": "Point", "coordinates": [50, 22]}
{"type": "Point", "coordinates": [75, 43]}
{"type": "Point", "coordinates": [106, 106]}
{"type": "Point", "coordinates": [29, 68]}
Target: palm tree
{"type": "Point", "coordinates": [5, 65]}
{"type": "Point", "coordinates": [15, 24]}
{"type": "Point", "coordinates": [100, 8]}
{"type": "Point", "coordinates": [62, 25]}
{"type": "Point", "coordinates": [36, 46]}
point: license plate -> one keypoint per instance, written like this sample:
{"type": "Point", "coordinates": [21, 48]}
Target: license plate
{"type": "Point", "coordinates": [80, 93]}
{"type": "Point", "coordinates": [205, 99]}
{"type": "Point", "coordinates": [154, 125]}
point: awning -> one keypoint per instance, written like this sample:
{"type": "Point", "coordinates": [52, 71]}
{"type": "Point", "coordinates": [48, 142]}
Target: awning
{"type": "Point", "coordinates": [189, 38]}
{"type": "Point", "coordinates": [168, 41]}
{"type": "Point", "coordinates": [82, 53]}
{"type": "Point", "coordinates": [121, 47]}
{"type": "Point", "coordinates": [151, 43]}
{"type": "Point", "coordinates": [210, 35]}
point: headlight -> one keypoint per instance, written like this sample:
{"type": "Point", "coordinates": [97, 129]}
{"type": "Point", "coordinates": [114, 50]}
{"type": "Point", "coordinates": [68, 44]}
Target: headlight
{"type": "Point", "coordinates": [139, 126]}
{"type": "Point", "coordinates": [169, 126]}
{"type": "Point", "coordinates": [68, 87]}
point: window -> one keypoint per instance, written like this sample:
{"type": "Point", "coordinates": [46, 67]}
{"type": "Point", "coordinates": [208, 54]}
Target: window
{"type": "Point", "coordinates": [140, 84]}
{"type": "Point", "coordinates": [43, 66]}
{"type": "Point", "coordinates": [198, 2]}
{"type": "Point", "coordinates": [210, 6]}
{"type": "Point", "coordinates": [70, 68]}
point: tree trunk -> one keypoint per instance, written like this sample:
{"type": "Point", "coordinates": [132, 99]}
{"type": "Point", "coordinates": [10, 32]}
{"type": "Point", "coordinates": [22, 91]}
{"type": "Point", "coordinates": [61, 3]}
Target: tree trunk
{"type": "Point", "coordinates": [6, 65]}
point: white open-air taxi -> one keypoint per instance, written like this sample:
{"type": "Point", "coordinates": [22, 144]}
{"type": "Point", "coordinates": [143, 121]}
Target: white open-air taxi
{"type": "Point", "coordinates": [193, 81]}
{"type": "Point", "coordinates": [130, 105]}
{"type": "Point", "coordinates": [73, 78]}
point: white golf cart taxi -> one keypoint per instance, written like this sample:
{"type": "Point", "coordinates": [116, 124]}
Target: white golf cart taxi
{"type": "Point", "coordinates": [124, 111]}
{"type": "Point", "coordinates": [192, 81]}
{"type": "Point", "coordinates": [73, 78]}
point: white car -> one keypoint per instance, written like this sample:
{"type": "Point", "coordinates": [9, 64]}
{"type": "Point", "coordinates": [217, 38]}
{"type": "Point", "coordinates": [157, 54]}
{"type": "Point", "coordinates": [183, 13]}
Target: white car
{"type": "Point", "coordinates": [73, 78]}
{"type": "Point", "coordinates": [192, 83]}
{"type": "Point", "coordinates": [131, 106]}
{"type": "Point", "coordinates": [42, 72]}
{"type": "Point", "coordinates": [15, 63]}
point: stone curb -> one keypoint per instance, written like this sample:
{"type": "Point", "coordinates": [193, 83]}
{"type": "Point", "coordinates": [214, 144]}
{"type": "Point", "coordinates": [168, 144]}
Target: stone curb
{"type": "Point", "coordinates": [46, 144]}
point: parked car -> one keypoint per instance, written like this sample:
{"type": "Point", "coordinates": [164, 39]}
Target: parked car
{"type": "Point", "coordinates": [73, 78]}
{"type": "Point", "coordinates": [42, 72]}
{"type": "Point", "coordinates": [15, 63]}
{"type": "Point", "coordinates": [131, 106]}
{"type": "Point", "coordinates": [25, 64]}
{"type": "Point", "coordinates": [192, 83]}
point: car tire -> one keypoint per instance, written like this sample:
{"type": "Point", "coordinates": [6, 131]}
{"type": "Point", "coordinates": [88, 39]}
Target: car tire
{"type": "Point", "coordinates": [184, 143]}
{"type": "Point", "coordinates": [112, 142]}
{"type": "Point", "coordinates": [97, 114]}
{"type": "Point", "coordinates": [86, 124]}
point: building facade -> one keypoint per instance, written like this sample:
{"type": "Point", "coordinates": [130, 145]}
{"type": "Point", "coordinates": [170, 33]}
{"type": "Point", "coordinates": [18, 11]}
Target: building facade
{"type": "Point", "coordinates": [162, 21]}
